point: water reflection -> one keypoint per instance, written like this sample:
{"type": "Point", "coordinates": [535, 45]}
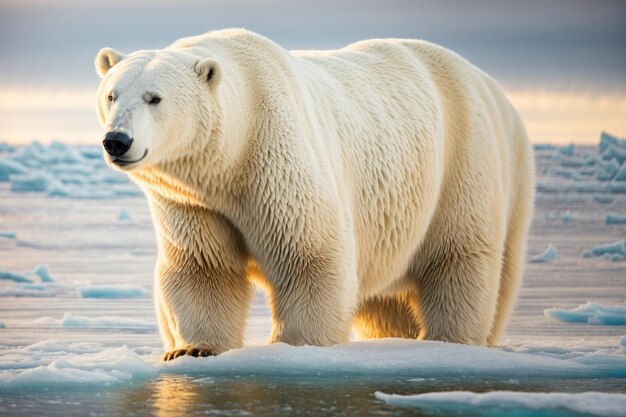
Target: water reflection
{"type": "Point", "coordinates": [173, 397]}
{"type": "Point", "coordinates": [177, 396]}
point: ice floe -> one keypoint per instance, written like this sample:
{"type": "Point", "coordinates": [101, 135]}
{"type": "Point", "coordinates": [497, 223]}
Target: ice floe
{"type": "Point", "coordinates": [110, 322]}
{"type": "Point", "coordinates": [43, 272]}
{"type": "Point", "coordinates": [615, 251]}
{"type": "Point", "coordinates": [498, 403]}
{"type": "Point", "coordinates": [65, 171]}
{"type": "Point", "coordinates": [55, 363]}
{"type": "Point", "coordinates": [614, 218]}
{"type": "Point", "coordinates": [603, 198]}
{"type": "Point", "coordinates": [112, 291]}
{"type": "Point", "coordinates": [13, 276]}
{"type": "Point", "coordinates": [590, 313]}
{"type": "Point", "coordinates": [567, 217]}
{"type": "Point", "coordinates": [8, 234]}
{"type": "Point", "coordinates": [123, 215]}
{"type": "Point", "coordinates": [549, 255]}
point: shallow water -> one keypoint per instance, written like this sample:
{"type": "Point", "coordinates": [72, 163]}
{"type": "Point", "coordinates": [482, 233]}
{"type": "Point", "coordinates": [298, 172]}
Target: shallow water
{"type": "Point", "coordinates": [176, 395]}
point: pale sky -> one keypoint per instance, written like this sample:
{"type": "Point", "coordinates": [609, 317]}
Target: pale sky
{"type": "Point", "coordinates": [562, 61]}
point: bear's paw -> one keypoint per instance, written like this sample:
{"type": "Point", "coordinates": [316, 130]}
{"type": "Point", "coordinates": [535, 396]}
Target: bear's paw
{"type": "Point", "coordinates": [195, 351]}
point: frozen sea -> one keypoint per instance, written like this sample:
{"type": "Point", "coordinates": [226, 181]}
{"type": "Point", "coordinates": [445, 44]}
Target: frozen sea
{"type": "Point", "coordinates": [78, 332]}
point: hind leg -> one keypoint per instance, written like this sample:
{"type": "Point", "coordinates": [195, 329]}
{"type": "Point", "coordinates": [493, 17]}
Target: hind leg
{"type": "Point", "coordinates": [512, 270]}
{"type": "Point", "coordinates": [391, 316]}
{"type": "Point", "coordinates": [457, 296]}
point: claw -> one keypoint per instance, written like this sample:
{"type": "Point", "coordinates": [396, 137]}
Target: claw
{"type": "Point", "coordinates": [195, 351]}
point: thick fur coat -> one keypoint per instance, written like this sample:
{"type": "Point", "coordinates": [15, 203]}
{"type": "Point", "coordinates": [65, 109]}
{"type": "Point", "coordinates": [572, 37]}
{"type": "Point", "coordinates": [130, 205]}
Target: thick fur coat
{"type": "Point", "coordinates": [386, 187]}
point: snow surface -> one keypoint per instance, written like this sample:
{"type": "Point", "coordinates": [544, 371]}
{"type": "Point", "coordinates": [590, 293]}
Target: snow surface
{"type": "Point", "coordinates": [112, 291]}
{"type": "Point", "coordinates": [549, 255]}
{"type": "Point", "coordinates": [591, 313]}
{"type": "Point", "coordinates": [55, 363]}
{"type": "Point", "coordinates": [499, 403]}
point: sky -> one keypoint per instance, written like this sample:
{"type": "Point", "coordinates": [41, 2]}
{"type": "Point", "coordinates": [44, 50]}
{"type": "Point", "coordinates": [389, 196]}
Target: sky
{"type": "Point", "coordinates": [561, 62]}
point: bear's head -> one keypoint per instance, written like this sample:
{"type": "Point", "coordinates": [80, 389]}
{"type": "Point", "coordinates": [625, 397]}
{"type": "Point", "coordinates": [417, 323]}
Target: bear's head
{"type": "Point", "coordinates": [154, 106]}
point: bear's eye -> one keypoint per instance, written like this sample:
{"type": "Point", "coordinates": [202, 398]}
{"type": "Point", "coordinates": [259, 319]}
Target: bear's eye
{"type": "Point", "coordinates": [110, 97]}
{"type": "Point", "coordinates": [155, 100]}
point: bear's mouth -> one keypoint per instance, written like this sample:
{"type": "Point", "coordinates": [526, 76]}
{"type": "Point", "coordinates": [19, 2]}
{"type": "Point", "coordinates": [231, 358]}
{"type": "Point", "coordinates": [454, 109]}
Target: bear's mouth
{"type": "Point", "coordinates": [124, 162]}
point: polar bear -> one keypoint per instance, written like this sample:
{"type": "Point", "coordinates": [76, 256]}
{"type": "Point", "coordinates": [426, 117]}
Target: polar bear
{"type": "Point", "coordinates": [385, 187]}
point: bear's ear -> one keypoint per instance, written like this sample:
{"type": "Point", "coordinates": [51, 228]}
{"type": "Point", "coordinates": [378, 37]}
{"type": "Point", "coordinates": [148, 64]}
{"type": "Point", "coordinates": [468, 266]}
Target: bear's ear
{"type": "Point", "coordinates": [106, 59]}
{"type": "Point", "coordinates": [209, 70]}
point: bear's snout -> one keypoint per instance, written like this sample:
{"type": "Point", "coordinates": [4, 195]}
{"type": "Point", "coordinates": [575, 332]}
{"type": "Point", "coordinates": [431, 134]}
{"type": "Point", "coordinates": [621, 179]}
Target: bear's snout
{"type": "Point", "coordinates": [116, 143]}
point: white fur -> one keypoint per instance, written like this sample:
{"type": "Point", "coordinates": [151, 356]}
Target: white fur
{"type": "Point", "coordinates": [387, 184]}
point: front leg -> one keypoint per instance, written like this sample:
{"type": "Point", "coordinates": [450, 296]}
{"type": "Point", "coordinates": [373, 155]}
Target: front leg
{"type": "Point", "coordinates": [313, 298]}
{"type": "Point", "coordinates": [202, 294]}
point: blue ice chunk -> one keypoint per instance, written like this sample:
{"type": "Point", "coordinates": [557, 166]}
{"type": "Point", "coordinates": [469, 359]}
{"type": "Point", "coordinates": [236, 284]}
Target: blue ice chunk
{"type": "Point", "coordinates": [603, 198]}
{"type": "Point", "coordinates": [569, 150]}
{"type": "Point", "coordinates": [615, 153]}
{"type": "Point", "coordinates": [617, 187]}
{"type": "Point", "coordinates": [112, 291]}
{"type": "Point", "coordinates": [73, 169]}
{"type": "Point", "coordinates": [8, 168]}
{"type": "Point", "coordinates": [35, 181]}
{"type": "Point", "coordinates": [113, 322]}
{"type": "Point", "coordinates": [607, 170]}
{"type": "Point", "coordinates": [544, 187]}
{"type": "Point", "coordinates": [607, 140]}
{"type": "Point", "coordinates": [509, 403]}
{"type": "Point", "coordinates": [8, 234]}
{"type": "Point", "coordinates": [567, 217]}
{"type": "Point", "coordinates": [549, 255]}
{"type": "Point", "coordinates": [543, 147]}
{"type": "Point", "coordinates": [6, 148]}
{"type": "Point", "coordinates": [91, 152]}
{"type": "Point", "coordinates": [615, 257]}
{"type": "Point", "coordinates": [2, 325]}
{"type": "Point", "coordinates": [621, 174]}
{"type": "Point", "coordinates": [590, 313]}
{"type": "Point", "coordinates": [12, 276]}
{"type": "Point", "coordinates": [36, 155]}
{"type": "Point", "coordinates": [575, 162]}
{"type": "Point", "coordinates": [566, 173]}
{"type": "Point", "coordinates": [616, 247]}
{"type": "Point", "coordinates": [592, 159]}
{"type": "Point", "coordinates": [588, 187]}
{"type": "Point", "coordinates": [588, 172]}
{"type": "Point", "coordinates": [123, 215]}
{"type": "Point", "coordinates": [43, 272]}
{"type": "Point", "coordinates": [614, 218]}
{"type": "Point", "coordinates": [29, 290]}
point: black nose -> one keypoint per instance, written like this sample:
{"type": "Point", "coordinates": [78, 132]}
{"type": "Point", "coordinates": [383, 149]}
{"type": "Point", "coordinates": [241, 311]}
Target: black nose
{"type": "Point", "coordinates": [116, 143]}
